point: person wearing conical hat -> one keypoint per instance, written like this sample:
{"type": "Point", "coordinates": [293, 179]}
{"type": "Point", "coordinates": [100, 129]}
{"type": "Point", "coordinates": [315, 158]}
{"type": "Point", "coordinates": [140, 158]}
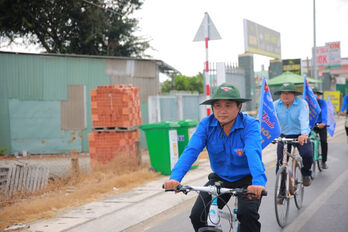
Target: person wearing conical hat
{"type": "Point", "coordinates": [321, 127]}
{"type": "Point", "coordinates": [233, 142]}
{"type": "Point", "coordinates": [293, 115]}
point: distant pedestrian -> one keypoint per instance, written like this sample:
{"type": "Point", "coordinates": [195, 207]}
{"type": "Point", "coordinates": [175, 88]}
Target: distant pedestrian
{"type": "Point", "coordinates": [344, 111]}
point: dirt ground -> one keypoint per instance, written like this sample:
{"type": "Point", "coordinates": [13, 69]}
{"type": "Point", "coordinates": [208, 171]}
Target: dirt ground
{"type": "Point", "coordinates": [75, 189]}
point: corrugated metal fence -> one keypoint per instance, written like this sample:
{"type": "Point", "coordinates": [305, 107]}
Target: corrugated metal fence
{"type": "Point", "coordinates": [22, 177]}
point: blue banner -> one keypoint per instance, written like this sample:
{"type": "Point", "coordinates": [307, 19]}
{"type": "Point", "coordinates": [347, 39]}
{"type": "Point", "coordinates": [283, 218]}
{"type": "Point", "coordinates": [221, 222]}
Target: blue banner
{"type": "Point", "coordinates": [330, 117]}
{"type": "Point", "coordinates": [314, 108]}
{"type": "Point", "coordinates": [269, 122]}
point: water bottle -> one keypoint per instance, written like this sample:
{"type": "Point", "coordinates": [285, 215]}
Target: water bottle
{"type": "Point", "coordinates": [213, 218]}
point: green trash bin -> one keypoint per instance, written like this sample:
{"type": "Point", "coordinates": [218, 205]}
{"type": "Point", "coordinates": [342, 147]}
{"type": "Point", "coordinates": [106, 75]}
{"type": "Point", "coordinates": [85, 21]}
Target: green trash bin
{"type": "Point", "coordinates": [162, 142]}
{"type": "Point", "coordinates": [185, 131]}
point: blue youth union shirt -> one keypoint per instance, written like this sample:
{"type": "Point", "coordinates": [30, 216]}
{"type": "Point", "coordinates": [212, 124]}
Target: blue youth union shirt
{"type": "Point", "coordinates": [231, 157]}
{"type": "Point", "coordinates": [323, 113]}
{"type": "Point", "coordinates": [295, 119]}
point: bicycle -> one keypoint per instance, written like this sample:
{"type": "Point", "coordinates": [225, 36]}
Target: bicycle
{"type": "Point", "coordinates": [289, 181]}
{"type": "Point", "coordinates": [316, 150]}
{"type": "Point", "coordinates": [215, 214]}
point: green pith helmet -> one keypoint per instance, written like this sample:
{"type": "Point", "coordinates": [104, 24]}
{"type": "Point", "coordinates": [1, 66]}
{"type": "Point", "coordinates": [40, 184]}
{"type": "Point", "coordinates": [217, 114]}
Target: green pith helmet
{"type": "Point", "coordinates": [225, 91]}
{"type": "Point", "coordinates": [317, 91]}
{"type": "Point", "coordinates": [288, 87]}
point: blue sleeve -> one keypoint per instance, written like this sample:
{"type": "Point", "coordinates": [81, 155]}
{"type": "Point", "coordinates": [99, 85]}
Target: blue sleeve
{"type": "Point", "coordinates": [345, 103]}
{"type": "Point", "coordinates": [253, 152]}
{"type": "Point", "coordinates": [191, 151]}
{"type": "Point", "coordinates": [304, 118]}
{"type": "Point", "coordinates": [323, 112]}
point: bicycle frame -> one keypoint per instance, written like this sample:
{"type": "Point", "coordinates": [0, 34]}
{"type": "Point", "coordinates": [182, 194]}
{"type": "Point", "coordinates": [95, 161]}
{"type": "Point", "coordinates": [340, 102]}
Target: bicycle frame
{"type": "Point", "coordinates": [285, 163]}
{"type": "Point", "coordinates": [316, 143]}
{"type": "Point", "coordinates": [215, 214]}
{"type": "Point", "coordinates": [289, 181]}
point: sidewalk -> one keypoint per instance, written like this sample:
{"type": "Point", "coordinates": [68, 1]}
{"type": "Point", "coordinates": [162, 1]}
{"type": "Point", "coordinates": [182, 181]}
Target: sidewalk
{"type": "Point", "coordinates": [125, 210]}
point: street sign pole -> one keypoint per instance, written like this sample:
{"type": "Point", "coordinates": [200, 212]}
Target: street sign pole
{"type": "Point", "coordinates": [207, 31]}
{"type": "Point", "coordinates": [206, 73]}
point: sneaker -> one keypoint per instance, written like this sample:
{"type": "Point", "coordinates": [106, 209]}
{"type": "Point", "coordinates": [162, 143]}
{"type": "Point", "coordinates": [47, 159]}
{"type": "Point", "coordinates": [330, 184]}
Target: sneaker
{"type": "Point", "coordinates": [324, 165]}
{"type": "Point", "coordinates": [306, 181]}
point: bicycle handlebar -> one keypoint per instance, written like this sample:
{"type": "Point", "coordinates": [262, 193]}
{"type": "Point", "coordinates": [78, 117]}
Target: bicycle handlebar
{"type": "Point", "coordinates": [316, 125]}
{"type": "Point", "coordinates": [285, 140]}
{"type": "Point", "coordinates": [214, 190]}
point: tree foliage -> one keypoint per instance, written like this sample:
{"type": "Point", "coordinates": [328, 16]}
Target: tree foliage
{"type": "Point", "coordinates": [184, 83]}
{"type": "Point", "coordinates": [91, 27]}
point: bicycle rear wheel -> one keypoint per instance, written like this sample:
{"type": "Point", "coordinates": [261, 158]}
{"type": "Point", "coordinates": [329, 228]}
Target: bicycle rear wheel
{"type": "Point", "coordinates": [319, 156]}
{"type": "Point", "coordinates": [282, 196]}
{"type": "Point", "coordinates": [298, 183]}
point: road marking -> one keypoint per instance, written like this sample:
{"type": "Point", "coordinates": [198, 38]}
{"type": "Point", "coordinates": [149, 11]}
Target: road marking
{"type": "Point", "coordinates": [300, 221]}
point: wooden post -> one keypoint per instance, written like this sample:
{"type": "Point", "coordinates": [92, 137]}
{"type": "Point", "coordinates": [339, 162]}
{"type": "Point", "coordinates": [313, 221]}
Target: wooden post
{"type": "Point", "coordinates": [138, 152]}
{"type": "Point", "coordinates": [74, 162]}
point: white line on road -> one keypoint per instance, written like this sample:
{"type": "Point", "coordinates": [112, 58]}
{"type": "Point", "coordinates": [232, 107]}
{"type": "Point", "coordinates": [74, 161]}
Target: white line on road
{"type": "Point", "coordinates": [299, 222]}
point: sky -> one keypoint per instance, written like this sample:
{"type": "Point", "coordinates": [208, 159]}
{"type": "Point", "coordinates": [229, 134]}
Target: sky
{"type": "Point", "coordinates": [172, 24]}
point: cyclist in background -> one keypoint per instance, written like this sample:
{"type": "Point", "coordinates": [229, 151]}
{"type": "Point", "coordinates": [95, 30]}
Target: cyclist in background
{"type": "Point", "coordinates": [233, 142]}
{"type": "Point", "coordinates": [322, 122]}
{"type": "Point", "coordinates": [293, 116]}
{"type": "Point", "coordinates": [345, 108]}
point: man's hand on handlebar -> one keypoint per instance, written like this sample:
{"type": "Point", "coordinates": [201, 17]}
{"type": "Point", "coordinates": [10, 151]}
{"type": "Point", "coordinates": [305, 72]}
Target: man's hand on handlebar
{"type": "Point", "coordinates": [302, 139]}
{"type": "Point", "coordinates": [255, 189]}
{"type": "Point", "coordinates": [321, 125]}
{"type": "Point", "coordinates": [170, 184]}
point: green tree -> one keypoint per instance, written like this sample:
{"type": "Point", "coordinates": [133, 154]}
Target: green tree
{"type": "Point", "coordinates": [91, 27]}
{"type": "Point", "coordinates": [184, 83]}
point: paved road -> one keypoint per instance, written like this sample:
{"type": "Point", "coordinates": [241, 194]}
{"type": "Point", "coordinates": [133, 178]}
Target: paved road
{"type": "Point", "coordinates": [325, 203]}
{"type": "Point", "coordinates": [148, 208]}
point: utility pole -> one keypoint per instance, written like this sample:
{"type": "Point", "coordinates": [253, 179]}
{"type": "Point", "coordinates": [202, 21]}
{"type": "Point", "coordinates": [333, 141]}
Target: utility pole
{"type": "Point", "coordinates": [314, 57]}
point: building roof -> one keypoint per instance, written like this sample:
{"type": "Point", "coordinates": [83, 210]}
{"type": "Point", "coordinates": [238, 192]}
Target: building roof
{"type": "Point", "coordinates": [163, 67]}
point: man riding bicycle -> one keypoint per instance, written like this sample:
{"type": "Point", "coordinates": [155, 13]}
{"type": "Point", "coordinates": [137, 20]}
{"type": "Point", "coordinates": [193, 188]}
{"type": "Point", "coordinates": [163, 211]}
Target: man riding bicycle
{"type": "Point", "coordinates": [233, 142]}
{"type": "Point", "coordinates": [293, 116]}
{"type": "Point", "coordinates": [322, 122]}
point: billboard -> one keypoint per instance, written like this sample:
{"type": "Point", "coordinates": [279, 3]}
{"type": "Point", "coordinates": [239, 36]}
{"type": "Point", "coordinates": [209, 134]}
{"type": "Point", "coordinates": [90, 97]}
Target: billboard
{"type": "Point", "coordinates": [329, 55]}
{"type": "Point", "coordinates": [292, 65]}
{"type": "Point", "coordinates": [334, 98]}
{"type": "Point", "coordinates": [261, 40]}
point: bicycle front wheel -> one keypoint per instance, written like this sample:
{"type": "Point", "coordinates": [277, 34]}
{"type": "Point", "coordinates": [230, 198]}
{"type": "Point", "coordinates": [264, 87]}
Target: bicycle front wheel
{"type": "Point", "coordinates": [314, 169]}
{"type": "Point", "coordinates": [299, 187]}
{"type": "Point", "coordinates": [282, 196]}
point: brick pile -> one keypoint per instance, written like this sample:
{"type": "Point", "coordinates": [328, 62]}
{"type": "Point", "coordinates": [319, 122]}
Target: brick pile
{"type": "Point", "coordinates": [107, 145]}
{"type": "Point", "coordinates": [114, 107]}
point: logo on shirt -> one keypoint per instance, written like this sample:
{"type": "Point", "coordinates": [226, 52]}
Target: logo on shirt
{"type": "Point", "coordinates": [239, 151]}
{"type": "Point", "coordinates": [226, 88]}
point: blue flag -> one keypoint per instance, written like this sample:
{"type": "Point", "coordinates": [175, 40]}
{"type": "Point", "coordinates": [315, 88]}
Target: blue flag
{"type": "Point", "coordinates": [330, 117]}
{"type": "Point", "coordinates": [269, 122]}
{"type": "Point", "coordinates": [314, 108]}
